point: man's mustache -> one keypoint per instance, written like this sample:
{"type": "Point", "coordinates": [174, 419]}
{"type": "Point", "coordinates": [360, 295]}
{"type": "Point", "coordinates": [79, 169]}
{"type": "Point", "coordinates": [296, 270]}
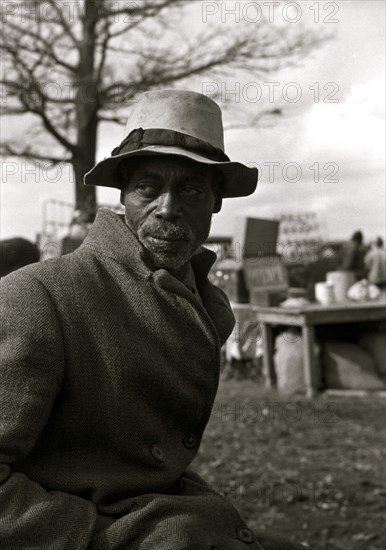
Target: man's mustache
{"type": "Point", "coordinates": [165, 230]}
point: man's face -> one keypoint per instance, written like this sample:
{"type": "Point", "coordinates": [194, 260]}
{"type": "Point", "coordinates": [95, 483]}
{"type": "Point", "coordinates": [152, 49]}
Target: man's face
{"type": "Point", "coordinates": [169, 202]}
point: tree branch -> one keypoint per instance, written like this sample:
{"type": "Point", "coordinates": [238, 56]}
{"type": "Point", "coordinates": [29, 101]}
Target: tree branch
{"type": "Point", "coordinates": [34, 108]}
{"type": "Point", "coordinates": [253, 123]}
{"type": "Point", "coordinates": [41, 45]}
{"type": "Point", "coordinates": [8, 150]}
{"type": "Point", "coordinates": [117, 119]}
{"type": "Point", "coordinates": [64, 24]}
{"type": "Point", "coordinates": [104, 47]}
{"type": "Point", "coordinates": [147, 9]}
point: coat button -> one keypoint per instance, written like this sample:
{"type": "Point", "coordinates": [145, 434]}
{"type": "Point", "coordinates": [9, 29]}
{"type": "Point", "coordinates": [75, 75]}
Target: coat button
{"type": "Point", "coordinates": [190, 441]}
{"type": "Point", "coordinates": [176, 487]}
{"type": "Point", "coordinates": [157, 453]}
{"type": "Point", "coordinates": [245, 535]}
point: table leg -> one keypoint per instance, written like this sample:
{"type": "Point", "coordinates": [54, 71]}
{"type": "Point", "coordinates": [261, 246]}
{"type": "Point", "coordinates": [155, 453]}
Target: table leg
{"type": "Point", "coordinates": [268, 366]}
{"type": "Point", "coordinates": [310, 366]}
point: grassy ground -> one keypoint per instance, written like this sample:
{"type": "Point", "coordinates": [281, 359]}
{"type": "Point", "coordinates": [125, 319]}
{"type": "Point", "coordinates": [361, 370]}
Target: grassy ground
{"type": "Point", "coordinates": [313, 471]}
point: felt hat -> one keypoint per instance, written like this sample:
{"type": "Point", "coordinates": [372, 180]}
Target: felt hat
{"type": "Point", "coordinates": [176, 122]}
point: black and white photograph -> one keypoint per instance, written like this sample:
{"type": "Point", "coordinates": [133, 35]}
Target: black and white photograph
{"type": "Point", "coordinates": [193, 275]}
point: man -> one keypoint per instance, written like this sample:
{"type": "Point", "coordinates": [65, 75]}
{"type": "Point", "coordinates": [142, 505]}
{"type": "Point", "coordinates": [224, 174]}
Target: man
{"type": "Point", "coordinates": [351, 257]}
{"type": "Point", "coordinates": [375, 262]}
{"type": "Point", "coordinates": [16, 253]}
{"type": "Point", "coordinates": [111, 354]}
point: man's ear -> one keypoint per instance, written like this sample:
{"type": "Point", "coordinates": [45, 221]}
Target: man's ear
{"type": "Point", "coordinates": [217, 203]}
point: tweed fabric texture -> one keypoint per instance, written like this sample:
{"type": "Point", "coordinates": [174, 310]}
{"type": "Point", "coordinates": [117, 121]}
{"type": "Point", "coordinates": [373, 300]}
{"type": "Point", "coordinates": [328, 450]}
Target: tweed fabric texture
{"type": "Point", "coordinates": [108, 374]}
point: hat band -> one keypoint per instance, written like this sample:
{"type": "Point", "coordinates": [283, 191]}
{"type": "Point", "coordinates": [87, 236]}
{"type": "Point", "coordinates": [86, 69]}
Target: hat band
{"type": "Point", "coordinates": [140, 139]}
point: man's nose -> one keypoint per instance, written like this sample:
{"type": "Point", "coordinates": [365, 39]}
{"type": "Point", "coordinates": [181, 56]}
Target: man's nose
{"type": "Point", "coordinates": [168, 207]}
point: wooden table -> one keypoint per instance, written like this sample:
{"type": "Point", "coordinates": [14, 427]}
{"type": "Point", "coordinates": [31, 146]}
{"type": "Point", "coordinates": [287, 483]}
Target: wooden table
{"type": "Point", "coordinates": [305, 318]}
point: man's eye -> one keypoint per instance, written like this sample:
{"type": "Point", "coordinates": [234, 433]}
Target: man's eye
{"type": "Point", "coordinates": [192, 190]}
{"type": "Point", "coordinates": [147, 189]}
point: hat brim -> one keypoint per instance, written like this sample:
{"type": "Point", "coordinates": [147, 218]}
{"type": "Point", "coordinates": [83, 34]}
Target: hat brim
{"type": "Point", "coordinates": [240, 180]}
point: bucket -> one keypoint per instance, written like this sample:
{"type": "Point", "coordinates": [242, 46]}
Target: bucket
{"type": "Point", "coordinates": [324, 293]}
{"type": "Point", "coordinates": [342, 280]}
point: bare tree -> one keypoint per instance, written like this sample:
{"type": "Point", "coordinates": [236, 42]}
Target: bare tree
{"type": "Point", "coordinates": [76, 64]}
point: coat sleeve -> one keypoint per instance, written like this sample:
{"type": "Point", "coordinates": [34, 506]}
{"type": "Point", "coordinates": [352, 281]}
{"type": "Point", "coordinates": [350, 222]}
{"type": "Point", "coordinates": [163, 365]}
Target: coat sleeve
{"type": "Point", "coordinates": [31, 371]}
{"type": "Point", "coordinates": [196, 516]}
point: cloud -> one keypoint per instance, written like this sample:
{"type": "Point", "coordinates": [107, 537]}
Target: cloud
{"type": "Point", "coordinates": [353, 131]}
{"type": "Point", "coordinates": [348, 135]}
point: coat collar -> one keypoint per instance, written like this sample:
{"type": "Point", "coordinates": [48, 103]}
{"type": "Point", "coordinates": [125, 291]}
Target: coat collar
{"type": "Point", "coordinates": [110, 236]}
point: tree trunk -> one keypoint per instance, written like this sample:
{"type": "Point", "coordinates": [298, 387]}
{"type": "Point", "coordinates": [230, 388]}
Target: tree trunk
{"type": "Point", "coordinates": [87, 105]}
{"type": "Point", "coordinates": [85, 196]}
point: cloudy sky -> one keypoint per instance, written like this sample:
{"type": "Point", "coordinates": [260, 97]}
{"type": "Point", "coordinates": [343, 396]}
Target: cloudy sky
{"type": "Point", "coordinates": [324, 154]}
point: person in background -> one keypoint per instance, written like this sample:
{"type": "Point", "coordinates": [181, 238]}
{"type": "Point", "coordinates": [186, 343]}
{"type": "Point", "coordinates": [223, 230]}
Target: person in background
{"type": "Point", "coordinates": [351, 257]}
{"type": "Point", "coordinates": [375, 262]}
{"type": "Point", "coordinates": [16, 253]}
{"type": "Point", "coordinates": [77, 232]}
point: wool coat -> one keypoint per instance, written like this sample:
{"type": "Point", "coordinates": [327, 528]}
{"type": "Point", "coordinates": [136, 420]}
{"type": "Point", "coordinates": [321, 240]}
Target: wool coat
{"type": "Point", "coordinates": [109, 370]}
